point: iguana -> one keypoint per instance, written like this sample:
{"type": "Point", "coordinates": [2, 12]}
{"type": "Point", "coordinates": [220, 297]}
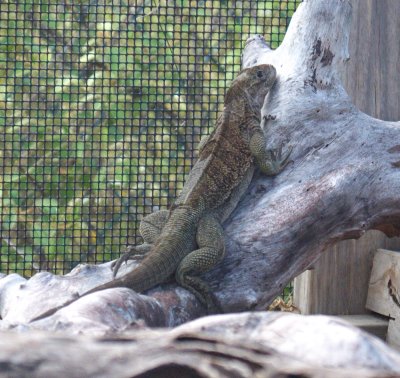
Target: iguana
{"type": "Point", "coordinates": [188, 239]}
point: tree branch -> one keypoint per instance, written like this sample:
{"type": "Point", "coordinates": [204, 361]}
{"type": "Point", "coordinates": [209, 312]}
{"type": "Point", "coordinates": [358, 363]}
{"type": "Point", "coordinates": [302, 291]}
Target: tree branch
{"type": "Point", "coordinates": [344, 180]}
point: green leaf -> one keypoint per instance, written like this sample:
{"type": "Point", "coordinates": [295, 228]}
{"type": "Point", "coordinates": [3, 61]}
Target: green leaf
{"type": "Point", "coordinates": [48, 205]}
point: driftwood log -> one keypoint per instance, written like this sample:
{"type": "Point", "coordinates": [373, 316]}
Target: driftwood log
{"type": "Point", "coordinates": [241, 345]}
{"type": "Point", "coordinates": [344, 180]}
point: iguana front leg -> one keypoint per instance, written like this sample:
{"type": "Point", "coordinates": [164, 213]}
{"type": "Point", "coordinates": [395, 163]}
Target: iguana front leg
{"type": "Point", "coordinates": [270, 162]}
{"type": "Point", "coordinates": [150, 228]}
{"type": "Point", "coordinates": [210, 240]}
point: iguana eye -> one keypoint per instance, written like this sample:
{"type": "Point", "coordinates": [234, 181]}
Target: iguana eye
{"type": "Point", "coordinates": [260, 74]}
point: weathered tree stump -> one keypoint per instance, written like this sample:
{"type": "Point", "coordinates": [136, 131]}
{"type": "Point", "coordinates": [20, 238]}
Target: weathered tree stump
{"type": "Point", "coordinates": [344, 180]}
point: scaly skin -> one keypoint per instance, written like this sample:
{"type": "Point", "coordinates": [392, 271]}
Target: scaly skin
{"type": "Point", "coordinates": [188, 240]}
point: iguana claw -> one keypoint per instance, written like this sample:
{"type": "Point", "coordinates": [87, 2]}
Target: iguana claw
{"type": "Point", "coordinates": [281, 162]}
{"type": "Point", "coordinates": [129, 254]}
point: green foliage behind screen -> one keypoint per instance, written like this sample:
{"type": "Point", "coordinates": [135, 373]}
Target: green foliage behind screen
{"type": "Point", "coordinates": [102, 104]}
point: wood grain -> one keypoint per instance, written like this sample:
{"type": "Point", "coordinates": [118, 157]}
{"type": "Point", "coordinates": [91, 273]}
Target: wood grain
{"type": "Point", "coordinates": [384, 291]}
{"type": "Point", "coordinates": [338, 283]}
{"type": "Point", "coordinates": [384, 285]}
{"type": "Point", "coordinates": [341, 182]}
{"type": "Point", "coordinates": [262, 344]}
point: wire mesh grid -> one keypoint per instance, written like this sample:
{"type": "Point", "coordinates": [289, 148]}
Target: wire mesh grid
{"type": "Point", "coordinates": [102, 105]}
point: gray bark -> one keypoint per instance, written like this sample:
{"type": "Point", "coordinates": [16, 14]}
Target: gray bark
{"type": "Point", "coordinates": [344, 180]}
{"type": "Point", "coordinates": [345, 174]}
{"type": "Point", "coordinates": [242, 345]}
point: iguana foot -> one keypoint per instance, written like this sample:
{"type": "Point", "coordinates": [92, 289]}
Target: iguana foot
{"type": "Point", "coordinates": [132, 253]}
{"type": "Point", "coordinates": [202, 292]}
{"type": "Point", "coordinates": [278, 161]}
{"type": "Point", "coordinates": [213, 307]}
{"type": "Point", "coordinates": [150, 229]}
{"type": "Point", "coordinates": [270, 162]}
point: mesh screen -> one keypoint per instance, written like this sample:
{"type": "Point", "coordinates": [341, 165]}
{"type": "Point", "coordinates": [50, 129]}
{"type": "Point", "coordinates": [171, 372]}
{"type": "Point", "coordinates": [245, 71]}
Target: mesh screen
{"type": "Point", "coordinates": [102, 105]}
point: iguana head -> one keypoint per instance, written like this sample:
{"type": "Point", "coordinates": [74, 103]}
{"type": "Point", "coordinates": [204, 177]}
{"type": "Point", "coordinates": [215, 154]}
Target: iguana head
{"type": "Point", "coordinates": [253, 83]}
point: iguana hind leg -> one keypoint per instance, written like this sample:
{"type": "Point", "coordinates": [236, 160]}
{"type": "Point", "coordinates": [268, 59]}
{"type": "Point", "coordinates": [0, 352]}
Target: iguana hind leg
{"type": "Point", "coordinates": [151, 225]}
{"type": "Point", "coordinates": [150, 228]}
{"type": "Point", "coordinates": [210, 240]}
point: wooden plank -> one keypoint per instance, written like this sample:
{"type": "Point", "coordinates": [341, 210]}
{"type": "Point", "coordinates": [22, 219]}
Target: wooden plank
{"type": "Point", "coordinates": [339, 282]}
{"type": "Point", "coordinates": [384, 286]}
{"type": "Point", "coordinates": [374, 58]}
{"type": "Point", "coordinates": [373, 324]}
{"type": "Point", "coordinates": [384, 291]}
{"type": "Point", "coordinates": [303, 293]}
